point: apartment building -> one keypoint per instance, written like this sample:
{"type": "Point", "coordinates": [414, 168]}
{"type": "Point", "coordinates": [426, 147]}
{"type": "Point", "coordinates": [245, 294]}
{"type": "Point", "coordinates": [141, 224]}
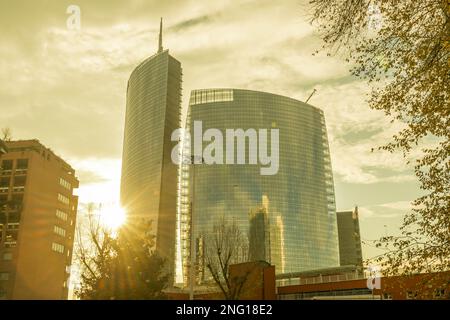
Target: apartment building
{"type": "Point", "coordinates": [37, 222]}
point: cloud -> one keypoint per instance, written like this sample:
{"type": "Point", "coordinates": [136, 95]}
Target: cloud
{"type": "Point", "coordinates": [399, 205]}
{"type": "Point", "coordinates": [99, 179]}
{"type": "Point", "coordinates": [189, 23]}
{"type": "Point", "coordinates": [387, 210]}
{"type": "Point", "coordinates": [90, 177]}
{"type": "Point", "coordinates": [365, 213]}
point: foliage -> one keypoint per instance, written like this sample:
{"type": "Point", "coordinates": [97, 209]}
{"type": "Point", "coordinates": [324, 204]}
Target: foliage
{"type": "Point", "coordinates": [122, 266]}
{"type": "Point", "coordinates": [402, 49]}
{"type": "Point", "coordinates": [6, 134]}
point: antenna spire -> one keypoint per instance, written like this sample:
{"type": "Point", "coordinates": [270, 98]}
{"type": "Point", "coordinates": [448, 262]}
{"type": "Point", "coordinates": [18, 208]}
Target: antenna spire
{"type": "Point", "coordinates": [160, 47]}
{"type": "Point", "coordinates": [314, 91]}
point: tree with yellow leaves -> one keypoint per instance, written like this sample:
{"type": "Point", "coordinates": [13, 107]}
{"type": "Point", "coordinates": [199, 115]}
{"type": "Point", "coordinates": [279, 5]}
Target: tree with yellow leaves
{"type": "Point", "coordinates": [402, 48]}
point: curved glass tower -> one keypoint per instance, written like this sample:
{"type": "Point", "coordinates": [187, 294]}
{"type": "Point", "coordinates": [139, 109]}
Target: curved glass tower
{"type": "Point", "coordinates": [149, 177]}
{"type": "Point", "coordinates": [289, 217]}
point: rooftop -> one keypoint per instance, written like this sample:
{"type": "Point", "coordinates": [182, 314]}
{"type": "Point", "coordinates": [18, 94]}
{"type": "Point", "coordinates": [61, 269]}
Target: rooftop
{"type": "Point", "coordinates": [37, 146]}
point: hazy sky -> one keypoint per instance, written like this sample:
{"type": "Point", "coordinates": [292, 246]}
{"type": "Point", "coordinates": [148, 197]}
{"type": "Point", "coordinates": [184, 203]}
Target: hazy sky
{"type": "Point", "coordinates": [67, 87]}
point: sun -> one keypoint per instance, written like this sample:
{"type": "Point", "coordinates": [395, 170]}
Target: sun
{"type": "Point", "coordinates": [112, 216]}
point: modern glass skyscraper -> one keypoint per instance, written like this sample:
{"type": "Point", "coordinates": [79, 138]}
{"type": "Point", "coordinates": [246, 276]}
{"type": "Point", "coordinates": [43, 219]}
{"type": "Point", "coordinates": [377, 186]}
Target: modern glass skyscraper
{"type": "Point", "coordinates": [298, 200]}
{"type": "Point", "coordinates": [149, 177]}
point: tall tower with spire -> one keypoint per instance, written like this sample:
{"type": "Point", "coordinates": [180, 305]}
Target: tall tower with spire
{"type": "Point", "coordinates": [149, 177]}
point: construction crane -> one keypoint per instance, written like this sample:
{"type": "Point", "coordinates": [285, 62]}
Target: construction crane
{"type": "Point", "coordinates": [312, 93]}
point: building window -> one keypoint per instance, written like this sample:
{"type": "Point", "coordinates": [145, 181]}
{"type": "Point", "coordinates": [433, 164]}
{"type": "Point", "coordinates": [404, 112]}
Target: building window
{"type": "Point", "coordinates": [4, 276]}
{"type": "Point", "coordinates": [14, 217]}
{"type": "Point", "coordinates": [3, 199]}
{"type": "Point", "coordinates": [22, 164]}
{"type": "Point", "coordinates": [63, 199]}
{"type": "Point", "coordinates": [19, 183]}
{"type": "Point", "coordinates": [17, 200]}
{"type": "Point", "coordinates": [59, 231]}
{"type": "Point", "coordinates": [65, 184]}
{"type": "Point", "coordinates": [7, 165]}
{"type": "Point", "coordinates": [61, 215]}
{"type": "Point", "coordinates": [57, 247]}
{"type": "Point", "coordinates": [7, 256]}
{"type": "Point", "coordinates": [4, 182]}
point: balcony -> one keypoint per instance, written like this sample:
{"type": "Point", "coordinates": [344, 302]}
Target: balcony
{"type": "Point", "coordinates": [6, 172]}
{"type": "Point", "coordinates": [10, 244]}
{"type": "Point", "coordinates": [13, 226]}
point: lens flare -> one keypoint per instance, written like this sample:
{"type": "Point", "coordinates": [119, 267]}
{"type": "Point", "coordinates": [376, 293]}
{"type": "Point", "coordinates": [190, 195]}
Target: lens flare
{"type": "Point", "coordinates": [112, 216]}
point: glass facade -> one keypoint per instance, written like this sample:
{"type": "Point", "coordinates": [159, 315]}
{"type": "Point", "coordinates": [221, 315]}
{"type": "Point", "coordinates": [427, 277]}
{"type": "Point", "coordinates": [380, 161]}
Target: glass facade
{"type": "Point", "coordinates": [350, 252]}
{"type": "Point", "coordinates": [298, 202]}
{"type": "Point", "coordinates": [149, 177]}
